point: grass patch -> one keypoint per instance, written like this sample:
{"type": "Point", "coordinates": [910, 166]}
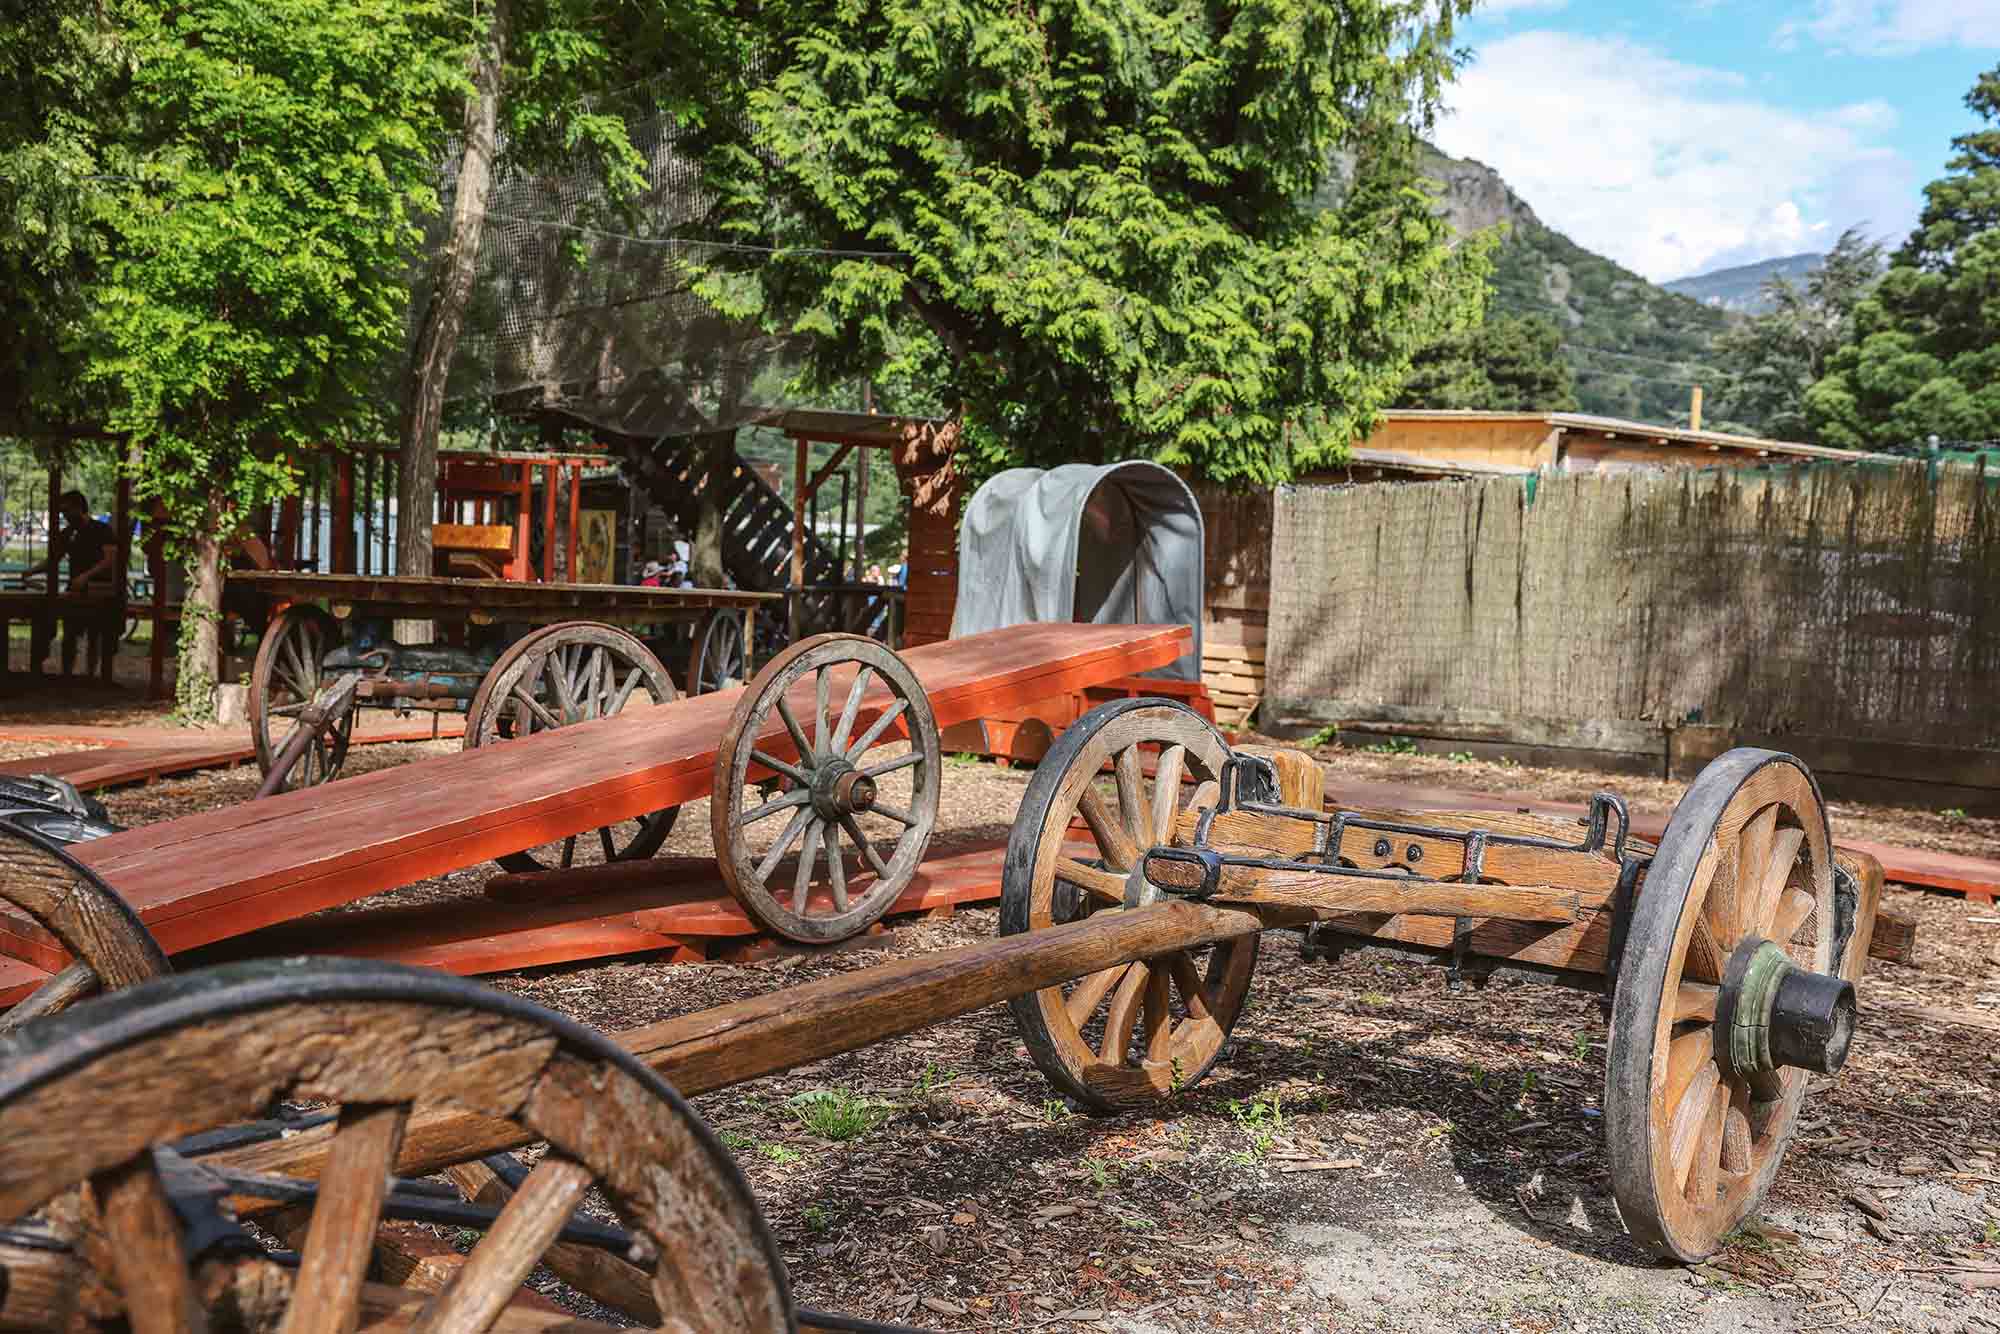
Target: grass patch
{"type": "Point", "coordinates": [837, 1114]}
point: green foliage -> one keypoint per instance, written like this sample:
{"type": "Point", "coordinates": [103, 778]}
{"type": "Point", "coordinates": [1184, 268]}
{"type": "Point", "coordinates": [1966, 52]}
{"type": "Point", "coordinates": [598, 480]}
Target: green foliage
{"type": "Point", "coordinates": [837, 1114]}
{"type": "Point", "coordinates": [1262, 1120]}
{"type": "Point", "coordinates": [1634, 348]}
{"type": "Point", "coordinates": [1770, 361]}
{"type": "Point", "coordinates": [1511, 363]}
{"type": "Point", "coordinates": [1091, 227]}
{"type": "Point", "coordinates": [1924, 354]}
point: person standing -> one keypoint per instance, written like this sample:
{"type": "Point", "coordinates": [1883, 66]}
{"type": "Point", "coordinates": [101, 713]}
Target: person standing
{"type": "Point", "coordinates": [91, 548]}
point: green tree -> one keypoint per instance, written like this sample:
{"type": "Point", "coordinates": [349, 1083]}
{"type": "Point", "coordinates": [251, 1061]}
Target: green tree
{"type": "Point", "coordinates": [1924, 354]}
{"type": "Point", "coordinates": [242, 184]}
{"type": "Point", "coordinates": [1770, 361]}
{"type": "Point", "coordinates": [1510, 363]}
{"type": "Point", "coordinates": [1090, 226]}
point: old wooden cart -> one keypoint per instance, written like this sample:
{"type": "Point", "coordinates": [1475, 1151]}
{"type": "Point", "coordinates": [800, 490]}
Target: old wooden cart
{"type": "Point", "coordinates": [514, 657]}
{"type": "Point", "coordinates": [1147, 861]}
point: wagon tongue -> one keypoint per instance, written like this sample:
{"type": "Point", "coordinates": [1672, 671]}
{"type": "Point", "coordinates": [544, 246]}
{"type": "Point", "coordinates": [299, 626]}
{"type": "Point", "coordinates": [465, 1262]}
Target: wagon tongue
{"type": "Point", "coordinates": [1775, 1014]}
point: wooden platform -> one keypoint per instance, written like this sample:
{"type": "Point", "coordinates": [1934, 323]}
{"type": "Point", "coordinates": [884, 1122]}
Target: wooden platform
{"type": "Point", "coordinates": [120, 755]}
{"type": "Point", "coordinates": [427, 596]}
{"type": "Point", "coordinates": [219, 874]}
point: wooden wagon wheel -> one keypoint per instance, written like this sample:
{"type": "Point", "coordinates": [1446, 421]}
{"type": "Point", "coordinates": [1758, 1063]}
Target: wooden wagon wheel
{"type": "Point", "coordinates": [111, 947]}
{"type": "Point", "coordinates": [836, 775]}
{"type": "Point", "coordinates": [90, 1096]}
{"type": "Point", "coordinates": [1723, 1003]}
{"type": "Point", "coordinates": [718, 659]}
{"type": "Point", "coordinates": [1135, 1033]}
{"type": "Point", "coordinates": [567, 673]}
{"type": "Point", "coordinates": [283, 681]}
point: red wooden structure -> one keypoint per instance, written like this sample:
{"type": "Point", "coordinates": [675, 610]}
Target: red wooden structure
{"type": "Point", "coordinates": [219, 874]}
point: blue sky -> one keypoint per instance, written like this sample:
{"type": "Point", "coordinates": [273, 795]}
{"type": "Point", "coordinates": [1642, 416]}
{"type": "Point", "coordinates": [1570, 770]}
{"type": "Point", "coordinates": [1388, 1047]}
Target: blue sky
{"type": "Point", "coordinates": [1688, 135]}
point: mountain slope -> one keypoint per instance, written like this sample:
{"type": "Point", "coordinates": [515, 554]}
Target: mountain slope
{"type": "Point", "coordinates": [1635, 348]}
{"type": "Point", "coordinates": [1740, 290]}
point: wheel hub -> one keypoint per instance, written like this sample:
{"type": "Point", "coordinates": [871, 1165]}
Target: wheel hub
{"type": "Point", "coordinates": [1771, 1014]}
{"type": "Point", "coordinates": [839, 789]}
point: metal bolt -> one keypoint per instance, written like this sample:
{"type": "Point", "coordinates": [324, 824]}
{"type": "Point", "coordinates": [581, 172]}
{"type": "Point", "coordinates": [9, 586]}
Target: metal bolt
{"type": "Point", "coordinates": [1416, 853]}
{"type": "Point", "coordinates": [1381, 847]}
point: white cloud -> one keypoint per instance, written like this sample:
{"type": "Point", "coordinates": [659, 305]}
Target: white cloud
{"type": "Point", "coordinates": [1670, 168]}
{"type": "Point", "coordinates": [1896, 27]}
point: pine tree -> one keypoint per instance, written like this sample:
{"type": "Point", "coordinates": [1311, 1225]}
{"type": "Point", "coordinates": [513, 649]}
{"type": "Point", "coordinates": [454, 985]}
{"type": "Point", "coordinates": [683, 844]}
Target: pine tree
{"type": "Point", "coordinates": [1924, 356]}
{"type": "Point", "coordinates": [1511, 363]}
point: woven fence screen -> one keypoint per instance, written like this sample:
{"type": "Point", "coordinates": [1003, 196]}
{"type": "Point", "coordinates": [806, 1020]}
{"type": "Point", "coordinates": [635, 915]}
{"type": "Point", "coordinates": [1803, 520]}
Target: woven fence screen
{"type": "Point", "coordinates": [1837, 600]}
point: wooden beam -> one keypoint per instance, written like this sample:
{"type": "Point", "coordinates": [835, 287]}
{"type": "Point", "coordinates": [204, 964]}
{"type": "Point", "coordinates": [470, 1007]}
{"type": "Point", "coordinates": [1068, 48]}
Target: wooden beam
{"type": "Point", "coordinates": [799, 497]}
{"type": "Point", "coordinates": [826, 469]}
{"type": "Point", "coordinates": [550, 473]}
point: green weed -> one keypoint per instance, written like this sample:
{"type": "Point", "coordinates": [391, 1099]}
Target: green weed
{"type": "Point", "coordinates": [837, 1114]}
{"type": "Point", "coordinates": [1395, 745]}
{"type": "Point", "coordinates": [1461, 757]}
{"type": "Point", "coordinates": [1054, 1109]}
{"type": "Point", "coordinates": [1326, 736]}
{"type": "Point", "coordinates": [817, 1218]}
{"type": "Point", "coordinates": [1953, 814]}
{"type": "Point", "coordinates": [1262, 1120]}
{"type": "Point", "coordinates": [1099, 1170]}
{"type": "Point", "coordinates": [779, 1153]}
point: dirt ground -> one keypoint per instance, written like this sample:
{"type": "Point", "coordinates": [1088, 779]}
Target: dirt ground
{"type": "Point", "coordinates": [1374, 1152]}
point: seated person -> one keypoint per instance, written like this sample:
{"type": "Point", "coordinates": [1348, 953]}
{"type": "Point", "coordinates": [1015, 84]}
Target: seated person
{"type": "Point", "coordinates": [91, 548]}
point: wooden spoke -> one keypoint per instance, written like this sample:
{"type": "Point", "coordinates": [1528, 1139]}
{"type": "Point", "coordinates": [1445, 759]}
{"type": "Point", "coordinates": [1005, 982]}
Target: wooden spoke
{"type": "Point", "coordinates": [1159, 1012]}
{"type": "Point", "coordinates": [789, 801]}
{"type": "Point", "coordinates": [1103, 884]}
{"type": "Point", "coordinates": [1753, 861]}
{"type": "Point", "coordinates": [1102, 1068]}
{"type": "Point", "coordinates": [1694, 1000]}
{"type": "Point", "coordinates": [527, 1225]}
{"type": "Point", "coordinates": [569, 851]}
{"type": "Point", "coordinates": [1113, 844]}
{"type": "Point", "coordinates": [1687, 1056]}
{"type": "Point", "coordinates": [1091, 991]}
{"type": "Point", "coordinates": [864, 845]}
{"type": "Point", "coordinates": [1784, 856]}
{"type": "Point", "coordinates": [891, 766]}
{"type": "Point", "coordinates": [1187, 977]}
{"type": "Point", "coordinates": [342, 1238]}
{"type": "Point", "coordinates": [1793, 912]}
{"type": "Point", "coordinates": [836, 782]}
{"type": "Point", "coordinates": [778, 766]}
{"type": "Point", "coordinates": [1708, 1148]}
{"type": "Point", "coordinates": [1123, 1016]}
{"type": "Point", "coordinates": [776, 852]}
{"type": "Point", "coordinates": [285, 677]}
{"type": "Point", "coordinates": [880, 725]}
{"type": "Point", "coordinates": [836, 869]}
{"type": "Point", "coordinates": [1133, 817]}
{"type": "Point", "coordinates": [851, 710]}
{"type": "Point", "coordinates": [1206, 795]}
{"type": "Point", "coordinates": [1167, 792]}
{"type": "Point", "coordinates": [145, 1252]}
{"type": "Point", "coordinates": [1690, 1115]}
{"type": "Point", "coordinates": [1691, 1150]}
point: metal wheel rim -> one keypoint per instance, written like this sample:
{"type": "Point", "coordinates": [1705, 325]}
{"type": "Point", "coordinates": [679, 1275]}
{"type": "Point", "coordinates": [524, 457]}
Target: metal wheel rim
{"type": "Point", "coordinates": [835, 734]}
{"type": "Point", "coordinates": [1684, 1172]}
{"type": "Point", "coordinates": [288, 662]}
{"type": "Point", "coordinates": [1197, 1001]}
{"type": "Point", "coordinates": [498, 701]}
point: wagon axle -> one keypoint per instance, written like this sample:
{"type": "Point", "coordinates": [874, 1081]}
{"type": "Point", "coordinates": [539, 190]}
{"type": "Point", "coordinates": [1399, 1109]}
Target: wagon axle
{"type": "Point", "coordinates": [1778, 1015]}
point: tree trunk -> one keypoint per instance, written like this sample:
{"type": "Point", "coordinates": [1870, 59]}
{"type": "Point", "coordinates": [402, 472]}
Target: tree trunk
{"type": "Point", "coordinates": [444, 313]}
{"type": "Point", "coordinates": [715, 452]}
{"type": "Point", "coordinates": [201, 618]}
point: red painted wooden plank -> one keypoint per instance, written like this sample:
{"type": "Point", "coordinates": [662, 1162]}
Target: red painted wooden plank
{"type": "Point", "coordinates": [18, 979]}
{"type": "Point", "coordinates": [208, 876]}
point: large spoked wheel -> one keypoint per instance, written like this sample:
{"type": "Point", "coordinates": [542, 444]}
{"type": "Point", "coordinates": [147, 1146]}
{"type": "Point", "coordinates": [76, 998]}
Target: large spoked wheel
{"type": "Point", "coordinates": [283, 680]}
{"type": "Point", "coordinates": [563, 674]}
{"type": "Point", "coordinates": [1723, 1003]}
{"type": "Point", "coordinates": [86, 1096]}
{"type": "Point", "coordinates": [1129, 1035]}
{"type": "Point", "coordinates": [819, 717]}
{"type": "Point", "coordinates": [111, 947]}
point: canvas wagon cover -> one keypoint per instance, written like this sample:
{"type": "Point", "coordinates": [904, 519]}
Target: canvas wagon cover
{"type": "Point", "coordinates": [1118, 544]}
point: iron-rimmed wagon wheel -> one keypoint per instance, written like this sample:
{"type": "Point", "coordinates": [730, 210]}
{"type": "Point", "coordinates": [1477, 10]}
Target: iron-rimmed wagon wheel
{"type": "Point", "coordinates": [562, 674]}
{"type": "Point", "coordinates": [1135, 1033]}
{"type": "Point", "coordinates": [87, 1095]}
{"type": "Point", "coordinates": [843, 779]}
{"type": "Point", "coordinates": [112, 948]}
{"type": "Point", "coordinates": [284, 678]}
{"type": "Point", "coordinates": [718, 659]}
{"type": "Point", "coordinates": [1722, 1002]}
